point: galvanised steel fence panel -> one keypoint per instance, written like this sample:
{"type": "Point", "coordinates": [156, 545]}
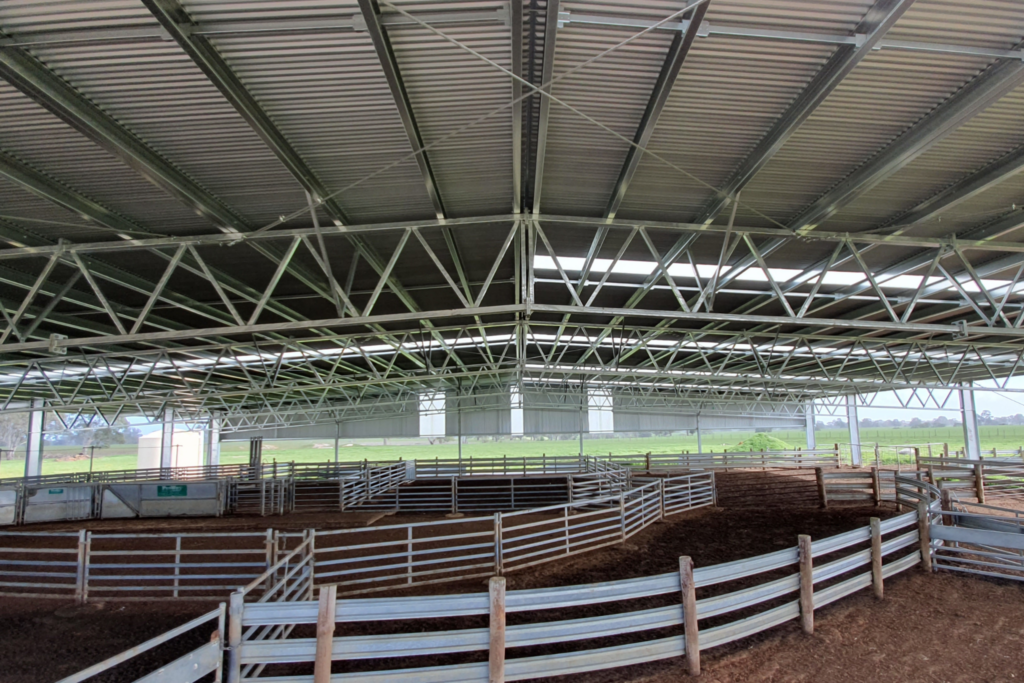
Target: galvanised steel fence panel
{"type": "Point", "coordinates": [833, 580]}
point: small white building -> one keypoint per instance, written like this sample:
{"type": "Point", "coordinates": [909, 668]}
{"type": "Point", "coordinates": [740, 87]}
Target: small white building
{"type": "Point", "coordinates": [186, 450]}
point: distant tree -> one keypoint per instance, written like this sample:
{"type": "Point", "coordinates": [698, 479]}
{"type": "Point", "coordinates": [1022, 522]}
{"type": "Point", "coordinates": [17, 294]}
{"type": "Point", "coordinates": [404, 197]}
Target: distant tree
{"type": "Point", "coordinates": [13, 429]}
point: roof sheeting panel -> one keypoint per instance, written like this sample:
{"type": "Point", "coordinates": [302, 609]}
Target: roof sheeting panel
{"type": "Point", "coordinates": [583, 161]}
{"type": "Point", "coordinates": [977, 143]}
{"type": "Point", "coordinates": [21, 209]}
{"type": "Point", "coordinates": [449, 88]}
{"type": "Point", "coordinates": [326, 93]}
{"type": "Point", "coordinates": [44, 142]}
{"type": "Point", "coordinates": [995, 24]}
{"type": "Point", "coordinates": [881, 99]}
{"type": "Point", "coordinates": [158, 93]}
{"type": "Point", "coordinates": [728, 95]}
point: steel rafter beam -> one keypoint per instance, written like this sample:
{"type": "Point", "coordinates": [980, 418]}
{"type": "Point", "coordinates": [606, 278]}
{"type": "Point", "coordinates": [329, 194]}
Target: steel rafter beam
{"type": "Point", "coordinates": [986, 177]}
{"type": "Point", "coordinates": [981, 238]}
{"type": "Point", "coordinates": [179, 25]}
{"type": "Point", "coordinates": [516, 40]}
{"type": "Point", "coordinates": [31, 77]}
{"type": "Point", "coordinates": [973, 98]}
{"type": "Point", "coordinates": [875, 24]}
{"type": "Point", "coordinates": [544, 116]}
{"type": "Point", "coordinates": [43, 186]}
{"type": "Point", "coordinates": [386, 56]}
{"type": "Point", "coordinates": [677, 53]}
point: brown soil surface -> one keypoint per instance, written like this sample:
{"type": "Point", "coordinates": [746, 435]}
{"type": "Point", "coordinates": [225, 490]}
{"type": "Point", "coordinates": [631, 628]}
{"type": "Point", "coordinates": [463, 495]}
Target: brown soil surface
{"type": "Point", "coordinates": [942, 627]}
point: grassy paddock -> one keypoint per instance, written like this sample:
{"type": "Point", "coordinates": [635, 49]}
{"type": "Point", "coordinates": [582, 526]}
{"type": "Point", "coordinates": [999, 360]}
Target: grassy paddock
{"type": "Point", "coordinates": [124, 457]}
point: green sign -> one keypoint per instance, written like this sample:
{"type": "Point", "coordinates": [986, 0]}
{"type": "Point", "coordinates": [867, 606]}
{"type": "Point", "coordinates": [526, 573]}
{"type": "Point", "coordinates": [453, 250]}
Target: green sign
{"type": "Point", "coordinates": [56, 491]}
{"type": "Point", "coordinates": [171, 491]}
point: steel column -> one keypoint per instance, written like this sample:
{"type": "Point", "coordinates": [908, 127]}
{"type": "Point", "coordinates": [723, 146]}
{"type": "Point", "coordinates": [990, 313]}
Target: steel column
{"type": "Point", "coordinates": [969, 417]}
{"type": "Point", "coordinates": [853, 422]}
{"type": "Point", "coordinates": [213, 440]}
{"type": "Point", "coordinates": [167, 439]}
{"type": "Point", "coordinates": [812, 442]}
{"type": "Point", "coordinates": [34, 439]}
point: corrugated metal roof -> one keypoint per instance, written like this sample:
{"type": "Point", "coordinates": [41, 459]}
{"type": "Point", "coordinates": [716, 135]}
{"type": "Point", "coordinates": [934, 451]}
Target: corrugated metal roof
{"type": "Point", "coordinates": [885, 95]}
{"type": "Point", "coordinates": [583, 161]}
{"type": "Point", "coordinates": [157, 92]}
{"type": "Point", "coordinates": [44, 142]}
{"type": "Point", "coordinates": [450, 88]}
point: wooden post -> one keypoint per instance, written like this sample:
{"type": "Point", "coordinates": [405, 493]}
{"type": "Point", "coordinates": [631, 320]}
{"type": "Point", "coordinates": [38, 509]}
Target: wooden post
{"type": "Point", "coordinates": [819, 476]}
{"type": "Point", "coordinates": [325, 634]}
{"type": "Point", "coordinates": [926, 536]}
{"type": "Point", "coordinates": [876, 557]}
{"type": "Point", "coordinates": [268, 549]}
{"type": "Point", "coordinates": [177, 563]}
{"type": "Point", "coordinates": [83, 545]}
{"type": "Point", "coordinates": [876, 486]}
{"type": "Point", "coordinates": [806, 584]}
{"type": "Point", "coordinates": [622, 516]}
{"type": "Point", "coordinates": [878, 455]}
{"type": "Point", "coordinates": [979, 481]}
{"type": "Point", "coordinates": [945, 450]}
{"type": "Point", "coordinates": [496, 649]}
{"type": "Point", "coordinates": [408, 555]}
{"type": "Point", "coordinates": [691, 633]}
{"type": "Point", "coordinates": [235, 607]}
{"type": "Point", "coordinates": [498, 568]}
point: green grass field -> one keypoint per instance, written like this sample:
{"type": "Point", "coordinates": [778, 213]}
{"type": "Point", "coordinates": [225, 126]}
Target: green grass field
{"type": "Point", "coordinates": [124, 457]}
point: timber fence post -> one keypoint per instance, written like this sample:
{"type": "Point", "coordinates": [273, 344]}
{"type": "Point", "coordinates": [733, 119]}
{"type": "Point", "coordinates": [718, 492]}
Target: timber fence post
{"type": "Point", "coordinates": [979, 482]}
{"type": "Point", "coordinates": [498, 568]}
{"type": "Point", "coordinates": [496, 647]}
{"type": "Point", "coordinates": [83, 546]}
{"type": "Point", "coordinates": [819, 477]}
{"type": "Point", "coordinates": [236, 606]}
{"type": "Point", "coordinates": [806, 583]}
{"type": "Point", "coordinates": [876, 486]}
{"type": "Point", "coordinates": [325, 620]}
{"type": "Point", "coordinates": [622, 516]}
{"type": "Point", "coordinates": [926, 537]}
{"type": "Point", "coordinates": [876, 557]}
{"type": "Point", "coordinates": [691, 633]}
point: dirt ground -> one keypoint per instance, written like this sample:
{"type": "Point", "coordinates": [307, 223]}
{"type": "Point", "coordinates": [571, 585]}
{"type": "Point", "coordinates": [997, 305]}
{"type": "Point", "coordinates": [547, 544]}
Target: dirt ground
{"type": "Point", "coordinates": [941, 627]}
